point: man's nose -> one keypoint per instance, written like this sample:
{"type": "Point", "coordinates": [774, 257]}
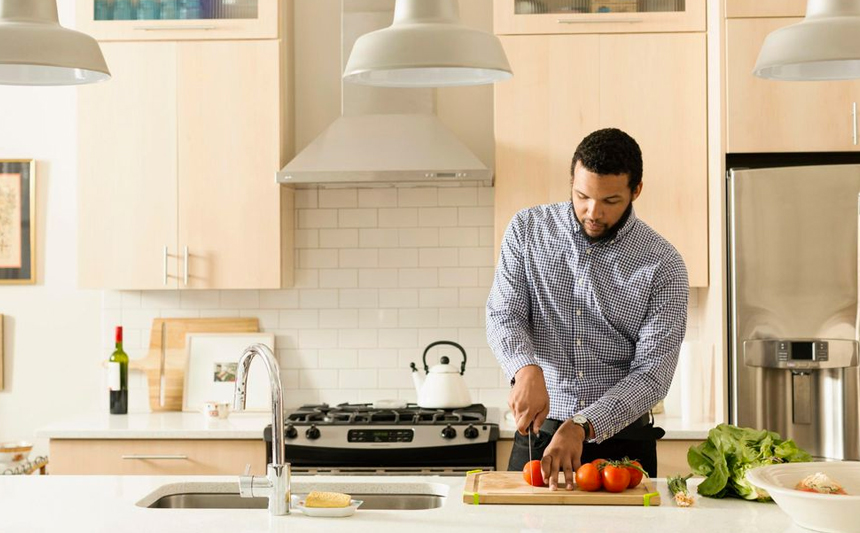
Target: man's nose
{"type": "Point", "coordinates": [594, 211]}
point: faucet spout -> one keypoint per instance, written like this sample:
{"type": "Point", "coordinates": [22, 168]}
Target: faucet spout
{"type": "Point", "coordinates": [277, 485]}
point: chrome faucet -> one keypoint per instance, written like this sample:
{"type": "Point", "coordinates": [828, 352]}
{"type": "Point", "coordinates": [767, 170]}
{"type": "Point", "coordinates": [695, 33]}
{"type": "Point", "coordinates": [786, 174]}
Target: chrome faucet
{"type": "Point", "coordinates": [276, 484]}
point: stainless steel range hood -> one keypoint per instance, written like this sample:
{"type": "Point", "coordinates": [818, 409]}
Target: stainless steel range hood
{"type": "Point", "coordinates": [385, 136]}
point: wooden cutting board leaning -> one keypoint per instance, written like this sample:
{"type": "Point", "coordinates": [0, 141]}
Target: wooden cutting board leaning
{"type": "Point", "coordinates": [510, 488]}
{"type": "Point", "coordinates": [166, 360]}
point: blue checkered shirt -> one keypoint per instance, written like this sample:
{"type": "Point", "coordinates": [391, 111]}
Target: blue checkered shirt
{"type": "Point", "coordinates": [604, 320]}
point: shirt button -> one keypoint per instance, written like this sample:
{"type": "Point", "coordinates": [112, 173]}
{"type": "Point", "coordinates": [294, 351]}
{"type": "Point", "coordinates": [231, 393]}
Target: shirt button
{"type": "Point", "coordinates": [580, 374]}
{"type": "Point", "coordinates": [578, 342]}
{"type": "Point", "coordinates": [579, 281]}
{"type": "Point", "coordinates": [582, 403]}
{"type": "Point", "coordinates": [612, 241]}
{"type": "Point", "coordinates": [588, 252]}
{"type": "Point", "coordinates": [578, 312]}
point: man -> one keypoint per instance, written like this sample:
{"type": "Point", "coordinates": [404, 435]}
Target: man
{"type": "Point", "coordinates": [586, 316]}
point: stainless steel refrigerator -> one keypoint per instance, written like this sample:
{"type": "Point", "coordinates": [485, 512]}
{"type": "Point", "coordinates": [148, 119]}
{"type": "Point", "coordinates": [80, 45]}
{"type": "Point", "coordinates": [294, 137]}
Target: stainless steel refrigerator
{"type": "Point", "coordinates": [793, 316]}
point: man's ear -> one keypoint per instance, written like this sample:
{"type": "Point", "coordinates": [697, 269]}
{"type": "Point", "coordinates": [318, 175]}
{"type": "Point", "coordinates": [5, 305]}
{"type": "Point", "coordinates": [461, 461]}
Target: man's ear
{"type": "Point", "coordinates": [637, 191]}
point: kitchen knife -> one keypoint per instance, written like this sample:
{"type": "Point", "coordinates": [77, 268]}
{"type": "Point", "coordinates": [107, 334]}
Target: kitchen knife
{"type": "Point", "coordinates": [531, 470]}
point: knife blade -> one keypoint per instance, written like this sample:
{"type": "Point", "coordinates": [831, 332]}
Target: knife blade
{"type": "Point", "coordinates": [531, 470]}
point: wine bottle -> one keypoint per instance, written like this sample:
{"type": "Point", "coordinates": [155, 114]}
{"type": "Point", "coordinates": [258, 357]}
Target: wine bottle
{"type": "Point", "coordinates": [118, 377]}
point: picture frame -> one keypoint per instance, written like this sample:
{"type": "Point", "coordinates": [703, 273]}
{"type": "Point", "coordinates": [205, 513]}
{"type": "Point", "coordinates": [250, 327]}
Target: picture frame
{"type": "Point", "coordinates": [17, 221]}
{"type": "Point", "coordinates": [210, 373]}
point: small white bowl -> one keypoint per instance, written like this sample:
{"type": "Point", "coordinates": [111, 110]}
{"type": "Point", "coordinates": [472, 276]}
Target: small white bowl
{"type": "Point", "coordinates": [15, 452]}
{"type": "Point", "coordinates": [833, 513]}
{"type": "Point", "coordinates": [330, 512]}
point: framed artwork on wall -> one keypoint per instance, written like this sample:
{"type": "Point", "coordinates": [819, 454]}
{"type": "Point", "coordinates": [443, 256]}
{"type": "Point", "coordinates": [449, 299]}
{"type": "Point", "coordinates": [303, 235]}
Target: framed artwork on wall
{"type": "Point", "coordinates": [17, 221]}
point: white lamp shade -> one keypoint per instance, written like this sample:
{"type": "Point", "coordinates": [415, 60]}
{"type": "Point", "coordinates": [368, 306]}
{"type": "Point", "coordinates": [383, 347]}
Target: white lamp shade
{"type": "Point", "coordinates": [427, 48]}
{"type": "Point", "coordinates": [36, 50]}
{"type": "Point", "coordinates": [825, 46]}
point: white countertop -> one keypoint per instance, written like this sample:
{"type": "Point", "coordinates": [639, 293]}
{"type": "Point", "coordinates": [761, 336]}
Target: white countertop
{"type": "Point", "coordinates": [107, 504]}
{"type": "Point", "coordinates": [167, 425]}
{"type": "Point", "coordinates": [676, 429]}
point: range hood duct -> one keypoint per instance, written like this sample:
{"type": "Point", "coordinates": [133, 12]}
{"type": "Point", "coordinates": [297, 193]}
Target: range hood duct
{"type": "Point", "coordinates": [386, 136]}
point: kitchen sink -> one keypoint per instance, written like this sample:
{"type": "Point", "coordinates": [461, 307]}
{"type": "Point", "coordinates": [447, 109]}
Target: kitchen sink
{"type": "Point", "coordinates": [376, 496]}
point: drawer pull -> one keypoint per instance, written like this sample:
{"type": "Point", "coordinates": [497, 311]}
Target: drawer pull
{"type": "Point", "coordinates": [167, 457]}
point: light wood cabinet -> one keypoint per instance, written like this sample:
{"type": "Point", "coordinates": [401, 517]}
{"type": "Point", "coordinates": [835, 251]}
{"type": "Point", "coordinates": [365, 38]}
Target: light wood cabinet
{"type": "Point", "coordinates": [529, 17]}
{"type": "Point", "coordinates": [178, 154]}
{"type": "Point", "coordinates": [779, 116]}
{"type": "Point", "coordinates": [165, 20]}
{"type": "Point", "coordinates": [765, 8]}
{"type": "Point", "coordinates": [168, 457]}
{"type": "Point", "coordinates": [654, 88]}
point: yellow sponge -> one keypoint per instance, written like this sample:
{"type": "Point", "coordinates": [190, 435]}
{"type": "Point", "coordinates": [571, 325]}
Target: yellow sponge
{"type": "Point", "coordinates": [327, 499]}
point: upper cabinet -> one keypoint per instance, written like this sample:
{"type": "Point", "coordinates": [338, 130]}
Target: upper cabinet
{"type": "Point", "coordinates": [780, 116]}
{"type": "Point", "coordinates": [522, 17]}
{"type": "Point", "coordinates": [154, 20]}
{"type": "Point", "coordinates": [654, 88]}
{"type": "Point", "coordinates": [177, 156]}
{"type": "Point", "coordinates": [765, 8]}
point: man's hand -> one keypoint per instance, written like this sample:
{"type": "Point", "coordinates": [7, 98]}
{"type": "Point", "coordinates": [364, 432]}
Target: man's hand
{"type": "Point", "coordinates": [529, 401]}
{"type": "Point", "coordinates": [563, 454]}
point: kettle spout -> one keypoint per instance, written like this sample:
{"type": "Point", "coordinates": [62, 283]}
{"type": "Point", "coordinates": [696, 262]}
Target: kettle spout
{"type": "Point", "coordinates": [417, 378]}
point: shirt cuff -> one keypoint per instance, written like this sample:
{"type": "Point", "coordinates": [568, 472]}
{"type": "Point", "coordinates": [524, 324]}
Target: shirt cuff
{"type": "Point", "coordinates": [604, 424]}
{"type": "Point", "coordinates": [511, 365]}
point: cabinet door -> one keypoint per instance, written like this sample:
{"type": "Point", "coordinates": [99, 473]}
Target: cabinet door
{"type": "Point", "coordinates": [229, 108]}
{"type": "Point", "coordinates": [127, 170]}
{"type": "Point", "coordinates": [765, 8]}
{"type": "Point", "coordinates": [542, 113]}
{"type": "Point", "coordinates": [158, 20]}
{"type": "Point", "coordinates": [654, 87]}
{"type": "Point", "coordinates": [782, 116]}
{"type": "Point", "coordinates": [521, 17]}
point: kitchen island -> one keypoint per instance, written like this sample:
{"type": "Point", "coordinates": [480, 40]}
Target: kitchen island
{"type": "Point", "coordinates": [108, 504]}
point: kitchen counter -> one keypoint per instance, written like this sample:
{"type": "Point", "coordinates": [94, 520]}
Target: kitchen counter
{"type": "Point", "coordinates": [168, 425]}
{"type": "Point", "coordinates": [107, 504]}
{"type": "Point", "coordinates": [676, 429]}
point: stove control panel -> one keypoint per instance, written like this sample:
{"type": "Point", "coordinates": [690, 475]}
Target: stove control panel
{"type": "Point", "coordinates": [380, 435]}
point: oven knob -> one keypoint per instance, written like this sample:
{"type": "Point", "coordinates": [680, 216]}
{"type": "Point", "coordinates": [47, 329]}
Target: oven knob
{"type": "Point", "coordinates": [291, 432]}
{"type": "Point", "coordinates": [470, 432]}
{"type": "Point", "coordinates": [449, 432]}
{"type": "Point", "coordinates": [312, 433]}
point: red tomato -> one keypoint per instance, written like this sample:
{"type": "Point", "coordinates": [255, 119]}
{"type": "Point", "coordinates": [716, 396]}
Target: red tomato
{"type": "Point", "coordinates": [532, 473]}
{"type": "Point", "coordinates": [599, 463]}
{"type": "Point", "coordinates": [615, 478]}
{"type": "Point", "coordinates": [635, 474]}
{"type": "Point", "coordinates": [588, 477]}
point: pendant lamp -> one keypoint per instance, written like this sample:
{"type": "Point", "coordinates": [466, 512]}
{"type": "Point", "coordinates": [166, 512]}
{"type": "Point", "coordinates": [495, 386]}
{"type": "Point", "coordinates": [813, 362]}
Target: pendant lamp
{"type": "Point", "coordinates": [427, 46]}
{"type": "Point", "coordinates": [825, 46]}
{"type": "Point", "coordinates": [36, 50]}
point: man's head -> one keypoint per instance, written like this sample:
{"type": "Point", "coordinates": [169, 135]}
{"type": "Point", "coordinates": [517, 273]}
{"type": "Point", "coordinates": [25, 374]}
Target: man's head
{"type": "Point", "coordinates": [605, 178]}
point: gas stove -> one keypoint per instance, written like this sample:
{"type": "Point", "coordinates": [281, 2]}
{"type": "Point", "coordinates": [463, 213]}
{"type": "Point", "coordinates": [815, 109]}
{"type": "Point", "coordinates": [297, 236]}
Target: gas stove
{"type": "Point", "coordinates": [362, 438]}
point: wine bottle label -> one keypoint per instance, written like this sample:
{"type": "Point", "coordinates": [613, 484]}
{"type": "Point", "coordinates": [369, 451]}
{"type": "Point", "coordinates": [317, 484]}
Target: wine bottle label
{"type": "Point", "coordinates": [114, 382]}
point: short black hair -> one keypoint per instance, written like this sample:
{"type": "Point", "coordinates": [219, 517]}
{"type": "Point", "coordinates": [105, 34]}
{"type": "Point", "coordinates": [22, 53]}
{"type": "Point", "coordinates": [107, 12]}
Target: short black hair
{"type": "Point", "coordinates": [610, 151]}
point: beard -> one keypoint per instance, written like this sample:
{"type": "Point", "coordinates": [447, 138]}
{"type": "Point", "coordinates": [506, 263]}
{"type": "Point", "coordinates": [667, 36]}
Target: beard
{"type": "Point", "coordinates": [610, 231]}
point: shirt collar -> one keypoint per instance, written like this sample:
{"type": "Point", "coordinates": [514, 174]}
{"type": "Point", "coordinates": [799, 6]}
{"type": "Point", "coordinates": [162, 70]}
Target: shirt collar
{"type": "Point", "coordinates": [616, 232]}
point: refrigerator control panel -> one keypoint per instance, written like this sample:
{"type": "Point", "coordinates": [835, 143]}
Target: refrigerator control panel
{"type": "Point", "coordinates": [800, 354]}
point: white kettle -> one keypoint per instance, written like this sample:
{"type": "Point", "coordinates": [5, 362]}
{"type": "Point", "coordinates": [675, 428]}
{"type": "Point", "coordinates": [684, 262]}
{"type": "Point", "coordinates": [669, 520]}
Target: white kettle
{"type": "Point", "coordinates": [444, 386]}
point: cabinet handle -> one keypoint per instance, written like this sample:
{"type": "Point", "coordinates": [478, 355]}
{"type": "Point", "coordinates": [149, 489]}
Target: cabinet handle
{"type": "Point", "coordinates": [854, 119]}
{"type": "Point", "coordinates": [165, 265]}
{"type": "Point", "coordinates": [143, 457]}
{"type": "Point", "coordinates": [598, 21]}
{"type": "Point", "coordinates": [174, 28]}
{"type": "Point", "coordinates": [185, 274]}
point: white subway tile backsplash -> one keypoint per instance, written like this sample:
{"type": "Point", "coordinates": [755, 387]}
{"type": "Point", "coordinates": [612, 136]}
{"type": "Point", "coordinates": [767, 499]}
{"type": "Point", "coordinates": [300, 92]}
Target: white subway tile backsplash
{"type": "Point", "coordinates": [139, 318]}
{"type": "Point", "coordinates": [298, 358]}
{"type": "Point", "coordinates": [306, 198]}
{"type": "Point", "coordinates": [398, 298]}
{"type": "Point", "coordinates": [318, 258]}
{"type": "Point", "coordinates": [473, 338]}
{"type": "Point", "coordinates": [486, 359]}
{"type": "Point", "coordinates": [395, 377]}
{"type": "Point", "coordinates": [372, 395]}
{"type": "Point", "coordinates": [458, 196]}
{"type": "Point", "coordinates": [208, 313]}
{"type": "Point", "coordinates": [358, 218]}
{"type": "Point", "coordinates": [437, 297]}
{"type": "Point", "coordinates": [307, 238]}
{"type": "Point", "coordinates": [481, 378]}
{"type": "Point", "coordinates": [240, 299]}
{"type": "Point", "coordinates": [317, 218]}
{"type": "Point", "coordinates": [290, 378]}
{"type": "Point", "coordinates": [474, 297]}
{"type": "Point", "coordinates": [189, 313]}
{"type": "Point", "coordinates": [338, 358]}
{"type": "Point", "coordinates": [475, 216]}
{"type": "Point", "coordinates": [459, 317]}
{"type": "Point", "coordinates": [130, 299]}
{"type": "Point", "coordinates": [286, 338]}
{"type": "Point", "coordinates": [693, 301]}
{"type": "Point", "coordinates": [377, 358]}
{"type": "Point", "coordinates": [318, 299]}
{"type": "Point", "coordinates": [268, 320]}
{"type": "Point", "coordinates": [377, 238]}
{"type": "Point", "coordinates": [458, 277]}
{"type": "Point", "coordinates": [485, 276]}
{"type": "Point", "coordinates": [337, 197]}
{"type": "Point", "coordinates": [377, 198]}
{"type": "Point", "coordinates": [398, 338]}
{"type": "Point", "coordinates": [357, 338]}
{"type": "Point", "coordinates": [419, 237]}
{"type": "Point", "coordinates": [318, 338]}
{"type": "Point", "coordinates": [418, 318]}
{"type": "Point", "coordinates": [159, 299]}
{"type": "Point", "coordinates": [337, 396]}
{"type": "Point", "coordinates": [343, 278]}
{"type": "Point", "coordinates": [398, 257]}
{"type": "Point", "coordinates": [478, 257]}
{"type": "Point", "coordinates": [398, 217]}
{"type": "Point", "coordinates": [200, 299]}
{"type": "Point", "coordinates": [486, 196]}
{"type": "Point", "coordinates": [359, 258]}
{"type": "Point", "coordinates": [299, 319]}
{"type": "Point", "coordinates": [437, 217]}
{"type": "Point", "coordinates": [111, 299]}
{"type": "Point", "coordinates": [438, 257]}
{"type": "Point", "coordinates": [418, 277]}
{"type": "Point", "coordinates": [363, 378]}
{"type": "Point", "coordinates": [377, 278]}
{"type": "Point", "coordinates": [338, 238]}
{"type": "Point", "coordinates": [460, 237]}
{"type": "Point", "coordinates": [359, 298]}
{"type": "Point", "coordinates": [338, 318]}
{"type": "Point", "coordinates": [306, 278]}
{"type": "Point", "coordinates": [279, 299]}
{"type": "Point", "coordinates": [320, 378]}
{"type": "Point", "coordinates": [377, 318]}
{"type": "Point", "coordinates": [427, 336]}
{"type": "Point", "coordinates": [418, 197]}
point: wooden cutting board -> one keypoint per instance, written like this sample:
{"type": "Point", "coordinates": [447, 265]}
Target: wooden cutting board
{"type": "Point", "coordinates": [510, 488]}
{"type": "Point", "coordinates": [173, 331]}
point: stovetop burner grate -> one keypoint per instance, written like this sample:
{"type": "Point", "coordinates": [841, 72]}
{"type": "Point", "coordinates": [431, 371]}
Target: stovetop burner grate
{"type": "Point", "coordinates": [366, 414]}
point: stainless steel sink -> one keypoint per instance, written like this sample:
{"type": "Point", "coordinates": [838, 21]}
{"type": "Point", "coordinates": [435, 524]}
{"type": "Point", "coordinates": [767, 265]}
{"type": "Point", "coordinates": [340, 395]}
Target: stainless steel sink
{"type": "Point", "coordinates": [214, 500]}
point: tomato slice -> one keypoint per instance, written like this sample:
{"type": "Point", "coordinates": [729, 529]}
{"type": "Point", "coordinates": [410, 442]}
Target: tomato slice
{"type": "Point", "coordinates": [532, 473]}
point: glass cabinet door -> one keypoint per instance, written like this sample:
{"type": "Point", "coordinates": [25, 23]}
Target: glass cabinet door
{"type": "Point", "coordinates": [108, 20]}
{"type": "Point", "coordinates": [598, 16]}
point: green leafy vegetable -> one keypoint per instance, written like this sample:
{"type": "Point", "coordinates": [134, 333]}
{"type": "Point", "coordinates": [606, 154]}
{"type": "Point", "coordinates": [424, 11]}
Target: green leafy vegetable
{"type": "Point", "coordinates": [730, 451]}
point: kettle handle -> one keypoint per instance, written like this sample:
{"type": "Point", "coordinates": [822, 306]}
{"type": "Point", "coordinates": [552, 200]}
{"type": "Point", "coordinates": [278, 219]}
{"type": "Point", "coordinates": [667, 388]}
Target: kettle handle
{"type": "Point", "coordinates": [450, 343]}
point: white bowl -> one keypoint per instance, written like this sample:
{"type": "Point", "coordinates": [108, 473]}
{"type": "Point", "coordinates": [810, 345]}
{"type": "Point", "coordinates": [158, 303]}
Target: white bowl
{"type": "Point", "coordinates": [836, 513]}
{"type": "Point", "coordinates": [15, 452]}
